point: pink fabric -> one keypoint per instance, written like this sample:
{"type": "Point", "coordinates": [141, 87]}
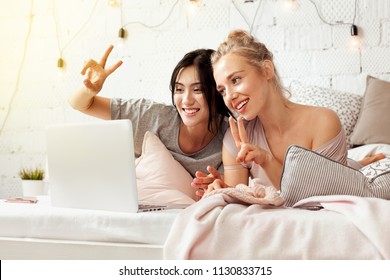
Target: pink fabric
{"type": "Point", "coordinates": [370, 216]}
{"type": "Point", "coordinates": [217, 227]}
{"type": "Point", "coordinates": [255, 193]}
{"type": "Point", "coordinates": [335, 149]}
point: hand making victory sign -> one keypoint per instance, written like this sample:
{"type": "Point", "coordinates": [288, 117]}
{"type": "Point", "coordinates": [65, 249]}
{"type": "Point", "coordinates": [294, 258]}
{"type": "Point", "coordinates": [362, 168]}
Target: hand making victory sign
{"type": "Point", "coordinates": [85, 99]}
{"type": "Point", "coordinates": [96, 73]}
{"type": "Point", "coordinates": [246, 151]}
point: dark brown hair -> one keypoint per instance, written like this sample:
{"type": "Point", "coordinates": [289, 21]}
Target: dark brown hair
{"type": "Point", "coordinates": [201, 59]}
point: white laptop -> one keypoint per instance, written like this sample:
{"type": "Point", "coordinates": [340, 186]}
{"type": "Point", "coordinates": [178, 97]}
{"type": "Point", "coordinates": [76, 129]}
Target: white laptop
{"type": "Point", "coordinates": [91, 165]}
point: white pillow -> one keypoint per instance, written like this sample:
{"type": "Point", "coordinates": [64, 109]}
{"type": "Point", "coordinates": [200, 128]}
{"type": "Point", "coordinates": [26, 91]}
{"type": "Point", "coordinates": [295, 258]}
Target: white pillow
{"type": "Point", "coordinates": [361, 152]}
{"type": "Point", "coordinates": [346, 105]}
{"type": "Point", "coordinates": [376, 168]}
{"type": "Point", "coordinates": [160, 178]}
{"type": "Point", "coordinates": [307, 173]}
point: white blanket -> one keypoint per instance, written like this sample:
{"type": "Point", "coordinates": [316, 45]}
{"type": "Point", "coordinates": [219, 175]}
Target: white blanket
{"type": "Point", "coordinates": [218, 227]}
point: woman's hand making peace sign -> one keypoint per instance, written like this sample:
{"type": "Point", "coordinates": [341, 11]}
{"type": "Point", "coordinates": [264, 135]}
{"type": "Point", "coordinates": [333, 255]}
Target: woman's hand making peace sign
{"type": "Point", "coordinates": [85, 99]}
{"type": "Point", "coordinates": [96, 73]}
{"type": "Point", "coordinates": [246, 151]}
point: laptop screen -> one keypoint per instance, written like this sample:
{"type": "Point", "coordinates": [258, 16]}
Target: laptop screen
{"type": "Point", "coordinates": [91, 165]}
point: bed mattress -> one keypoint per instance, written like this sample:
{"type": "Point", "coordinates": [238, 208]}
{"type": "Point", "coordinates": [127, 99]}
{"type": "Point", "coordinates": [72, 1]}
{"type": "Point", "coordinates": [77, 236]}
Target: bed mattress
{"type": "Point", "coordinates": [41, 220]}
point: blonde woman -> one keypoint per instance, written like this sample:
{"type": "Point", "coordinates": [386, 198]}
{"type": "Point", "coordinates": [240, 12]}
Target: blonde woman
{"type": "Point", "coordinates": [268, 122]}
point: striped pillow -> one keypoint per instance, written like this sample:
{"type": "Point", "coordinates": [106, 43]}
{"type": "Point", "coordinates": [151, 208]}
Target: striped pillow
{"type": "Point", "coordinates": [307, 173]}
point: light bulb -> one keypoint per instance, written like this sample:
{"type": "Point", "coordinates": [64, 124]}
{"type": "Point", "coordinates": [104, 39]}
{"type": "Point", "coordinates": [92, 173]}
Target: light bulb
{"type": "Point", "coordinates": [355, 39]}
{"type": "Point", "coordinates": [193, 7]}
{"type": "Point", "coordinates": [113, 3]}
{"type": "Point", "coordinates": [60, 67]}
{"type": "Point", "coordinates": [354, 30]}
{"type": "Point", "coordinates": [122, 34]}
{"type": "Point", "coordinates": [291, 4]}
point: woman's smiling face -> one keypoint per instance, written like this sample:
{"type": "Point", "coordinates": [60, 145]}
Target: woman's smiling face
{"type": "Point", "coordinates": [189, 99]}
{"type": "Point", "coordinates": [242, 86]}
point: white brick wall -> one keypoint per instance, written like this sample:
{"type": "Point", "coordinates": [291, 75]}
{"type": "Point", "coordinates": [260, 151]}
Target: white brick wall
{"type": "Point", "coordinates": [305, 49]}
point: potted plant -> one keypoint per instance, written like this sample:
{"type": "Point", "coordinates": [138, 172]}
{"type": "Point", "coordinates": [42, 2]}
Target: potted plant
{"type": "Point", "coordinates": [32, 181]}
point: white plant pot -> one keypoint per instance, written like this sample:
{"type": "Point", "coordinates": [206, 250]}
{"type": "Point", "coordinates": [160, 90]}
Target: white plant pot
{"type": "Point", "coordinates": [33, 187]}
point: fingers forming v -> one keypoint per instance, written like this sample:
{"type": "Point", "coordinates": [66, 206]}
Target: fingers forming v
{"type": "Point", "coordinates": [103, 60]}
{"type": "Point", "coordinates": [91, 63]}
{"type": "Point", "coordinates": [242, 131]}
{"type": "Point", "coordinates": [112, 68]}
{"type": "Point", "coordinates": [235, 133]}
{"type": "Point", "coordinates": [238, 131]}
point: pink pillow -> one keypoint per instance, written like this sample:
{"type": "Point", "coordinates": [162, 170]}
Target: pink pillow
{"type": "Point", "coordinates": [160, 178]}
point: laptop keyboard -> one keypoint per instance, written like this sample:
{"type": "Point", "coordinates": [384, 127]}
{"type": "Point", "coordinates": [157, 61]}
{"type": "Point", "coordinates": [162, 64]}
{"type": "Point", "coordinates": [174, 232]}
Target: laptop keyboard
{"type": "Point", "coordinates": [150, 207]}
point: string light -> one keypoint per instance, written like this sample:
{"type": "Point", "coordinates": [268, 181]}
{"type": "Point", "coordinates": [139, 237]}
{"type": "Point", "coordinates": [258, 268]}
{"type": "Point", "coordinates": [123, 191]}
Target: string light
{"type": "Point", "coordinates": [60, 67]}
{"type": "Point", "coordinates": [193, 7]}
{"type": "Point", "coordinates": [61, 61]}
{"type": "Point", "coordinates": [355, 40]}
{"type": "Point", "coordinates": [113, 3]}
{"type": "Point", "coordinates": [291, 4]}
{"type": "Point", "coordinates": [354, 30]}
{"type": "Point", "coordinates": [20, 68]}
{"type": "Point", "coordinates": [159, 24]}
{"type": "Point", "coordinates": [250, 24]}
{"type": "Point", "coordinates": [122, 34]}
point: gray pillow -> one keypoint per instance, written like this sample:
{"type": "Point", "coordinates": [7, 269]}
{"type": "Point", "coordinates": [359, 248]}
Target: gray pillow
{"type": "Point", "coordinates": [307, 173]}
{"type": "Point", "coordinates": [373, 125]}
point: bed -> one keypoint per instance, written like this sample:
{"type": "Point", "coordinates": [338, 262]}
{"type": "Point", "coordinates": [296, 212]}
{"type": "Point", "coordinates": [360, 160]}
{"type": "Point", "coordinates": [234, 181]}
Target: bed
{"type": "Point", "coordinates": [40, 231]}
{"type": "Point", "coordinates": [344, 222]}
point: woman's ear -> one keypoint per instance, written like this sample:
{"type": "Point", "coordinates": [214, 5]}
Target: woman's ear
{"type": "Point", "coordinates": [269, 69]}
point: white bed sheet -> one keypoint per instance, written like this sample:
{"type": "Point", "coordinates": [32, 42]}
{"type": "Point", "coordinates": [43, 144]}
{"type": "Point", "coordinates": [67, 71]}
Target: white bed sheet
{"type": "Point", "coordinates": [42, 221]}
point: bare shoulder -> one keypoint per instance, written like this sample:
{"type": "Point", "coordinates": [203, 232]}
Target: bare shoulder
{"type": "Point", "coordinates": [325, 125]}
{"type": "Point", "coordinates": [324, 115]}
{"type": "Point", "coordinates": [318, 116]}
